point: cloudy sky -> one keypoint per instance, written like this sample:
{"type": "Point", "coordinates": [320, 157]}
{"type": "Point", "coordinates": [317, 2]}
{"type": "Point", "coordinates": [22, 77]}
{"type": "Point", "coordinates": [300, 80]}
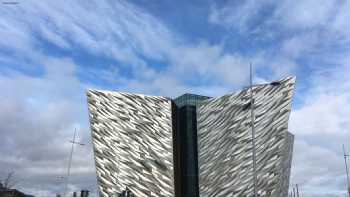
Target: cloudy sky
{"type": "Point", "coordinates": [52, 51]}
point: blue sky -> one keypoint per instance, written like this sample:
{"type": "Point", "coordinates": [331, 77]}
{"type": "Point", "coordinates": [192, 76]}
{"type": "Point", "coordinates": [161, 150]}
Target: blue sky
{"type": "Point", "coordinates": [51, 52]}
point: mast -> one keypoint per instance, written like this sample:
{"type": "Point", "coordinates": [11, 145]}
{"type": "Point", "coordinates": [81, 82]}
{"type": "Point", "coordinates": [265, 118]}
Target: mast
{"type": "Point", "coordinates": [253, 131]}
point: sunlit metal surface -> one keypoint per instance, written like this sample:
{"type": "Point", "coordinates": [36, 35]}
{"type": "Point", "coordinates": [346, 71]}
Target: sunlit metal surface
{"type": "Point", "coordinates": [132, 139]}
{"type": "Point", "coordinates": [225, 141]}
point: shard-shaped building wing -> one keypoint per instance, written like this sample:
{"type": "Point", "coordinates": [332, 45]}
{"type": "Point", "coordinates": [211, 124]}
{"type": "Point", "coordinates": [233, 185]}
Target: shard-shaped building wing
{"type": "Point", "coordinates": [132, 139]}
{"type": "Point", "coordinates": [225, 141]}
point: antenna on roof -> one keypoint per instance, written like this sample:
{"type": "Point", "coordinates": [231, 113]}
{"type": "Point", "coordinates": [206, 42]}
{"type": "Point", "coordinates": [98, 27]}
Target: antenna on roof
{"type": "Point", "coordinates": [253, 131]}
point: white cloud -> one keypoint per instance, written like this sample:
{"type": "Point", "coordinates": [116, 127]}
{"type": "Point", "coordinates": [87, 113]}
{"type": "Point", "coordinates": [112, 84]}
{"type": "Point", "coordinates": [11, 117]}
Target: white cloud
{"type": "Point", "coordinates": [324, 113]}
{"type": "Point", "coordinates": [53, 37]}
{"type": "Point", "coordinates": [305, 13]}
{"type": "Point", "coordinates": [341, 21]}
{"type": "Point", "coordinates": [238, 15]}
{"type": "Point", "coordinates": [300, 14]}
{"type": "Point", "coordinates": [124, 30]}
{"type": "Point", "coordinates": [297, 46]}
{"type": "Point", "coordinates": [294, 27]}
{"type": "Point", "coordinates": [321, 127]}
{"type": "Point", "coordinates": [126, 34]}
{"type": "Point", "coordinates": [318, 170]}
{"type": "Point", "coordinates": [38, 116]}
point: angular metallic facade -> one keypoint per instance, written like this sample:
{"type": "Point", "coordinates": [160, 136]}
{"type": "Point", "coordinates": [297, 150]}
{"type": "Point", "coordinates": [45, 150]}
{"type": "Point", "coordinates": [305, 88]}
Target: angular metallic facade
{"type": "Point", "coordinates": [225, 142]}
{"type": "Point", "coordinates": [132, 140]}
{"type": "Point", "coordinates": [286, 165]}
{"type": "Point", "coordinates": [192, 146]}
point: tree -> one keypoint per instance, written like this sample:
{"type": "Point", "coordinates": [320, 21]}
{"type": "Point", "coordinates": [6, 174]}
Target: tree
{"type": "Point", "coordinates": [9, 182]}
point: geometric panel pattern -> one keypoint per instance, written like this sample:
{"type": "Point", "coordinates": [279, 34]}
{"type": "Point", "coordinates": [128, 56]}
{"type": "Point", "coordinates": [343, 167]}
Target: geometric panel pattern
{"type": "Point", "coordinates": [286, 165]}
{"type": "Point", "coordinates": [133, 145]}
{"type": "Point", "coordinates": [225, 141]}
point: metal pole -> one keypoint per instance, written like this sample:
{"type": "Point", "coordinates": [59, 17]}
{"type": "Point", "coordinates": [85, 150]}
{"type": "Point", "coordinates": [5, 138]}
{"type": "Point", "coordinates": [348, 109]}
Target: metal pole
{"type": "Point", "coordinates": [253, 131]}
{"type": "Point", "coordinates": [293, 192]}
{"type": "Point", "coordinates": [69, 165]}
{"type": "Point", "coordinates": [347, 170]}
{"type": "Point", "coordinates": [297, 190]}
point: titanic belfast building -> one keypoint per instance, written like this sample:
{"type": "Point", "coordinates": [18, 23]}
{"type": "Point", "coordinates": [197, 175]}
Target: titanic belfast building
{"type": "Point", "coordinates": [192, 146]}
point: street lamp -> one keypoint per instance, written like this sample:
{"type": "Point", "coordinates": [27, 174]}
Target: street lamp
{"type": "Point", "coordinates": [73, 142]}
{"type": "Point", "coordinates": [347, 170]}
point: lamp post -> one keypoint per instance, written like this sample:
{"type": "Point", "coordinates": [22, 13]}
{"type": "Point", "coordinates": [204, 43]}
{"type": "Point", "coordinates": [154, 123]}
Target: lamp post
{"type": "Point", "coordinates": [347, 170]}
{"type": "Point", "coordinates": [73, 142]}
{"type": "Point", "coordinates": [297, 188]}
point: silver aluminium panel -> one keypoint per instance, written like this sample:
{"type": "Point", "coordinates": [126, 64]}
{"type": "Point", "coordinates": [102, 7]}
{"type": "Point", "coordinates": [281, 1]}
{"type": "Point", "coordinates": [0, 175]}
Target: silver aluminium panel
{"type": "Point", "coordinates": [286, 165]}
{"type": "Point", "coordinates": [132, 139]}
{"type": "Point", "coordinates": [225, 141]}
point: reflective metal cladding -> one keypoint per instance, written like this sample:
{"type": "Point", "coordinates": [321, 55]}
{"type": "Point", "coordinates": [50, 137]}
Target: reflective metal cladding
{"type": "Point", "coordinates": [132, 139]}
{"type": "Point", "coordinates": [192, 146]}
{"type": "Point", "coordinates": [225, 142]}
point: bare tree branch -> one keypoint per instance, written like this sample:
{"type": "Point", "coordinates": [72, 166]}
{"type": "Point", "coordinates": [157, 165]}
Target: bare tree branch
{"type": "Point", "coordinates": [9, 182]}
